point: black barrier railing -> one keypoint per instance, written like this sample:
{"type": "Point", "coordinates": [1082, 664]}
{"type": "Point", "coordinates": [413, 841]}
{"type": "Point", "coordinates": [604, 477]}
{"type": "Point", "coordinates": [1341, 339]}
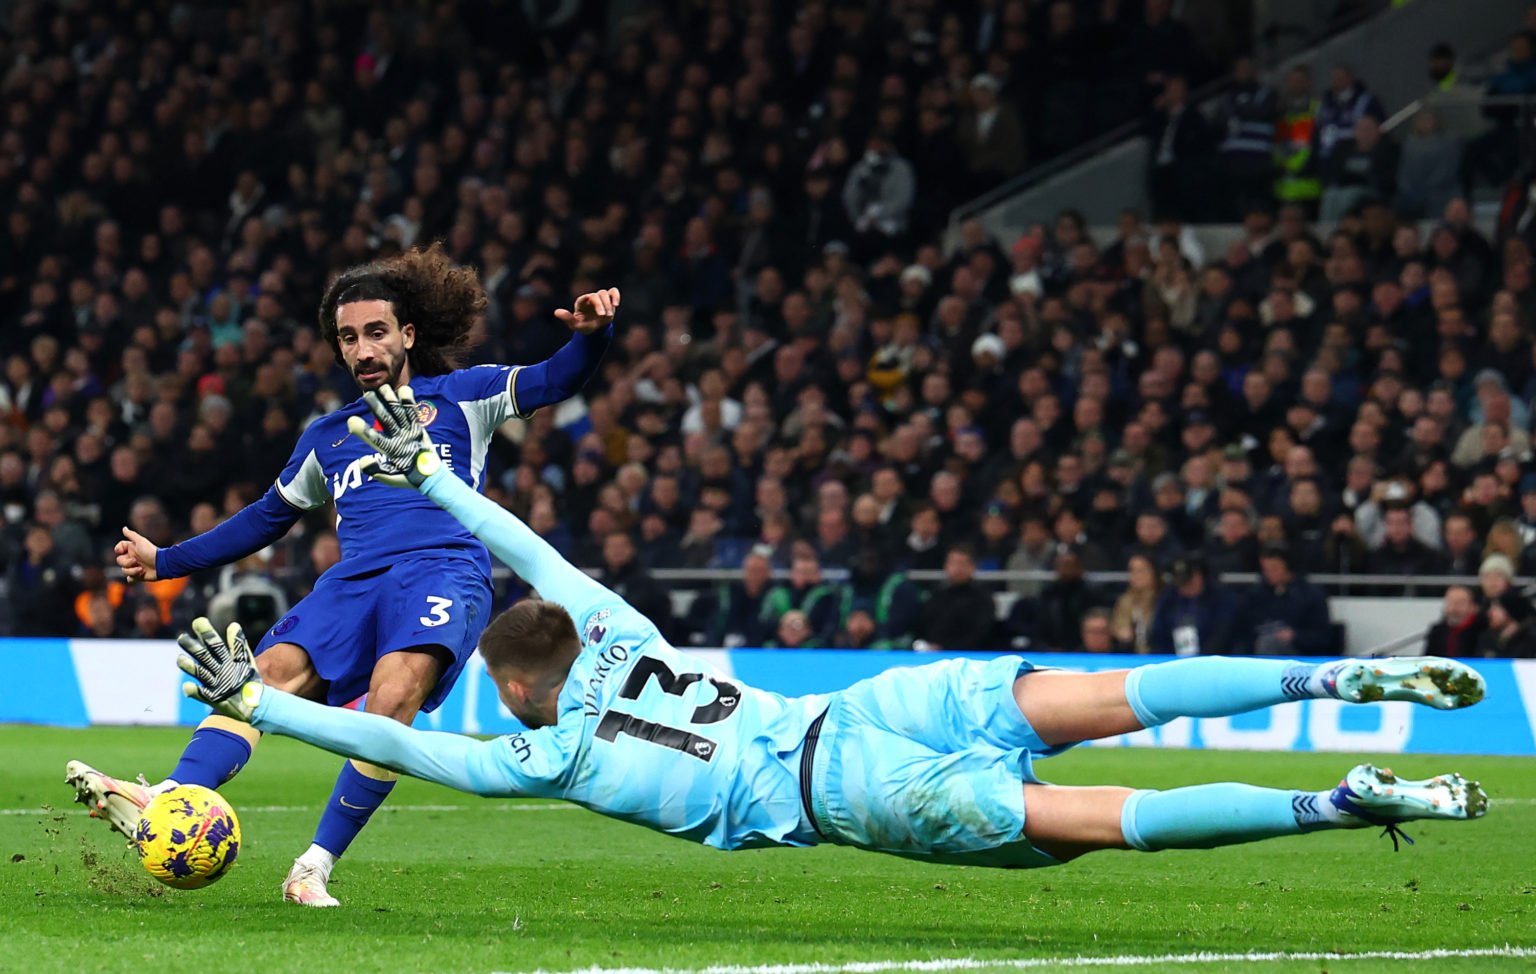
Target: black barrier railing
{"type": "Point", "coordinates": [1332, 583]}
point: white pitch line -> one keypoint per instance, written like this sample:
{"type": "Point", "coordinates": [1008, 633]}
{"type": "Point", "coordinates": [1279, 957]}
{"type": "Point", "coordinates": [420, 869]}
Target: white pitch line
{"type": "Point", "coordinates": [246, 809]}
{"type": "Point", "coordinates": [1030, 963]}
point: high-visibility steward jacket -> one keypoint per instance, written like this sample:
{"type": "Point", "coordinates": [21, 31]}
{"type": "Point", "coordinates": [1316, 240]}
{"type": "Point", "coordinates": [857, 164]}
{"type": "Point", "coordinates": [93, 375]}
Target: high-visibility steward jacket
{"type": "Point", "coordinates": [1295, 154]}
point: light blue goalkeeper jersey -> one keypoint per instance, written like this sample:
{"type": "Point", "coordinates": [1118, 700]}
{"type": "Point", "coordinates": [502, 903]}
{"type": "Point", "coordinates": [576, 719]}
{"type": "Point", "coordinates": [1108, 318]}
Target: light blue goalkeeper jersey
{"type": "Point", "coordinates": [645, 733]}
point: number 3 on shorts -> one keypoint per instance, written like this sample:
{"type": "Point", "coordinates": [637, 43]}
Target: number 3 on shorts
{"type": "Point", "coordinates": [437, 610]}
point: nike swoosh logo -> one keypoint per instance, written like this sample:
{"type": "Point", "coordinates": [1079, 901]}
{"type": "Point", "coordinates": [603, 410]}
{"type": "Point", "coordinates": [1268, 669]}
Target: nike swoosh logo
{"type": "Point", "coordinates": [338, 442]}
{"type": "Point", "coordinates": [347, 804]}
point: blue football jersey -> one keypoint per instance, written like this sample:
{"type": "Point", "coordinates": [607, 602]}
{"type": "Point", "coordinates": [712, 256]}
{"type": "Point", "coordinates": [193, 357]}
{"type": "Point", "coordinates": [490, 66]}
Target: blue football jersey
{"type": "Point", "coordinates": [375, 523]}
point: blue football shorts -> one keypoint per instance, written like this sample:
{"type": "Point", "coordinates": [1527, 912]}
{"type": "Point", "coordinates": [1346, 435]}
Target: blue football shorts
{"type": "Point", "coordinates": [347, 624]}
{"type": "Point", "coordinates": [929, 762]}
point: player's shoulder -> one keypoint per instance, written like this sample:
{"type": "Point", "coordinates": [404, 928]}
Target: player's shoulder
{"type": "Point", "coordinates": [610, 619]}
{"type": "Point", "coordinates": [473, 380]}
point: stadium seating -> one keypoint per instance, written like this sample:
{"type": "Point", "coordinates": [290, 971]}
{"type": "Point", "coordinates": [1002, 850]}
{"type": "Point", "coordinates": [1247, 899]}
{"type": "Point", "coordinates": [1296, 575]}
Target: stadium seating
{"type": "Point", "coordinates": [802, 373]}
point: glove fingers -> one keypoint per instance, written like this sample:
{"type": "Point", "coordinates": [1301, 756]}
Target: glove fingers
{"type": "Point", "coordinates": [197, 650]}
{"type": "Point", "coordinates": [359, 428]}
{"type": "Point", "coordinates": [391, 400]}
{"type": "Point", "coordinates": [375, 440]}
{"type": "Point", "coordinates": [199, 693]}
{"type": "Point", "coordinates": [204, 631]}
{"type": "Point", "coordinates": [194, 669]}
{"type": "Point", "coordinates": [387, 412]}
{"type": "Point", "coordinates": [239, 646]}
{"type": "Point", "coordinates": [383, 412]}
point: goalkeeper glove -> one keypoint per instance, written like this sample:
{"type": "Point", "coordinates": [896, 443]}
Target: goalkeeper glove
{"type": "Point", "coordinates": [405, 456]}
{"type": "Point", "coordinates": [224, 669]}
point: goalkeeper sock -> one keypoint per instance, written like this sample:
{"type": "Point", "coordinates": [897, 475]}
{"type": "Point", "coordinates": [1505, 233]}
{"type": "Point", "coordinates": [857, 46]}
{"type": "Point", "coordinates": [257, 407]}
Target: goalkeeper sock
{"type": "Point", "coordinates": [353, 801]}
{"type": "Point", "coordinates": [1218, 686]}
{"type": "Point", "coordinates": [213, 756]}
{"type": "Point", "coordinates": [1207, 816]}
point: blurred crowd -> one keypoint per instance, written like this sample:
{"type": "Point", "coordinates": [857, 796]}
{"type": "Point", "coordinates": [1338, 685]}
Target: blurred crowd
{"type": "Point", "coordinates": [1321, 143]}
{"type": "Point", "coordinates": [804, 390]}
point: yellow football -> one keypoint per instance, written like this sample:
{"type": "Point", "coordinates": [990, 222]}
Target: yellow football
{"type": "Point", "coordinates": [189, 837]}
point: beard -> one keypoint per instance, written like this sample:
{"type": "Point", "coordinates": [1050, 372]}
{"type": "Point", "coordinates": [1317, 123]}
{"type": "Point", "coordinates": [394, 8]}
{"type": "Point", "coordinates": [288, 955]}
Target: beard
{"type": "Point", "coordinates": [378, 373]}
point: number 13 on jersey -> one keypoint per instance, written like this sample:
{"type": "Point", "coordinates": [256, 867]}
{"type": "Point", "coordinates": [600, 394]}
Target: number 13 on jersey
{"type": "Point", "coordinates": [616, 722]}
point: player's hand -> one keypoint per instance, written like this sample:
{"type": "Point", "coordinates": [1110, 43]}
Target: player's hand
{"type": "Point", "coordinates": [593, 312]}
{"type": "Point", "coordinates": [136, 557]}
{"type": "Point", "coordinates": [223, 667]}
{"type": "Point", "coordinates": [405, 455]}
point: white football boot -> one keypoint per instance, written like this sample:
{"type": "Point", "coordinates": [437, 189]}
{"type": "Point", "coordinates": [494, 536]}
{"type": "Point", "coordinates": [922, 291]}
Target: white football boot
{"type": "Point", "coordinates": [1375, 796]}
{"type": "Point", "coordinates": [1434, 681]}
{"type": "Point", "coordinates": [119, 803]}
{"type": "Point", "coordinates": [305, 885]}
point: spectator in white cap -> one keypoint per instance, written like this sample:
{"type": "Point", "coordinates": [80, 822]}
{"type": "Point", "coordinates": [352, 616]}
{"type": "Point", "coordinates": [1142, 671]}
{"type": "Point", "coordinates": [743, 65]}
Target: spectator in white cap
{"type": "Point", "coordinates": [991, 135]}
{"type": "Point", "coordinates": [988, 352]}
{"type": "Point", "coordinates": [914, 291]}
{"type": "Point", "coordinates": [915, 277]}
{"type": "Point", "coordinates": [1494, 576]}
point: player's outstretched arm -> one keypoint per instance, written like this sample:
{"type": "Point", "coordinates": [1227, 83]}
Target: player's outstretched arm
{"type": "Point", "coordinates": [406, 457]}
{"type": "Point", "coordinates": [252, 528]}
{"type": "Point", "coordinates": [563, 374]}
{"type": "Point", "coordinates": [300, 487]}
{"type": "Point", "coordinates": [226, 679]}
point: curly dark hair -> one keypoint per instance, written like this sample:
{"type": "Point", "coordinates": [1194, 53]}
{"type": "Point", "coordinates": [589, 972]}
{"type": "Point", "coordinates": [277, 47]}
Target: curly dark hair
{"type": "Point", "coordinates": [427, 290]}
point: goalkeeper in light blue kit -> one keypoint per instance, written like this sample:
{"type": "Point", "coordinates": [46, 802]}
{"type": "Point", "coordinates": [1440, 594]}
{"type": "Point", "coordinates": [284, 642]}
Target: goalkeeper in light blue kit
{"type": "Point", "coordinates": [933, 762]}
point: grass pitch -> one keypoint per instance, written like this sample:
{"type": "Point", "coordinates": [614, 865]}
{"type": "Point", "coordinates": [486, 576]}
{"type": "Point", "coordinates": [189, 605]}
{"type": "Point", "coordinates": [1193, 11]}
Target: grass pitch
{"type": "Point", "coordinates": [447, 882]}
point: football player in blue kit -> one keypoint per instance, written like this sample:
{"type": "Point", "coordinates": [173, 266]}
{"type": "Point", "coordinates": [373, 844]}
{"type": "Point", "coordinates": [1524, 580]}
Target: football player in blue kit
{"type": "Point", "coordinates": [400, 614]}
{"type": "Point", "coordinates": [931, 762]}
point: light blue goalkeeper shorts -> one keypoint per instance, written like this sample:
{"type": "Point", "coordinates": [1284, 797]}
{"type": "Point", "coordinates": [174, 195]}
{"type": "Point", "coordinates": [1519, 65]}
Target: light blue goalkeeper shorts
{"type": "Point", "coordinates": [929, 762]}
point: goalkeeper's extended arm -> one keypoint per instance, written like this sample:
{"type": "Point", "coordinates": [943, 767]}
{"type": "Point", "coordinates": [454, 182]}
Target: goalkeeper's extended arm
{"type": "Point", "coordinates": [227, 680]}
{"type": "Point", "coordinates": [463, 763]}
{"type": "Point", "coordinates": [406, 457]}
{"type": "Point", "coordinates": [515, 543]}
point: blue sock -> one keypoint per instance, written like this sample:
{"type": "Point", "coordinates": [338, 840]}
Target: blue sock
{"type": "Point", "coordinates": [1215, 686]}
{"type": "Point", "coordinates": [1207, 816]}
{"type": "Point", "coordinates": [354, 799]}
{"type": "Point", "coordinates": [212, 757]}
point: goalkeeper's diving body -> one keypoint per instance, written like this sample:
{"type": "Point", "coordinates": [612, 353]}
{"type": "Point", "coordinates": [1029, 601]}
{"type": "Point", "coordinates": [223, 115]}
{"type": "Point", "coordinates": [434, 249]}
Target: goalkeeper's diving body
{"type": "Point", "coordinates": [400, 614]}
{"type": "Point", "coordinates": [933, 762]}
